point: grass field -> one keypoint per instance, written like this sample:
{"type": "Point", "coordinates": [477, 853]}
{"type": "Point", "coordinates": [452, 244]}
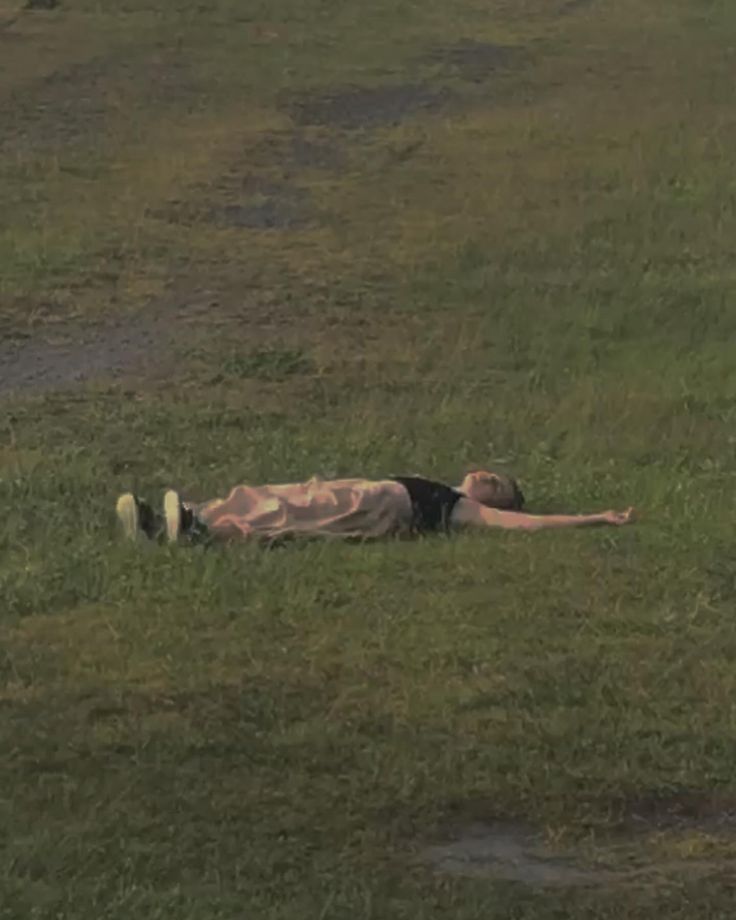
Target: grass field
{"type": "Point", "coordinates": [257, 241]}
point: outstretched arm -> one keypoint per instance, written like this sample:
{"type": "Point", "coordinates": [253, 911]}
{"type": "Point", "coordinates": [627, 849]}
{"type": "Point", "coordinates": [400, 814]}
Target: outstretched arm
{"type": "Point", "coordinates": [468, 513]}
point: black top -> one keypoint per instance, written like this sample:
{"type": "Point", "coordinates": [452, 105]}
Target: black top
{"type": "Point", "coordinates": [431, 503]}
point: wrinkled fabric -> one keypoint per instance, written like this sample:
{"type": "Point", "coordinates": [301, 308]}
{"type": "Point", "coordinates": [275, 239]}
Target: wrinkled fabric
{"type": "Point", "coordinates": [343, 508]}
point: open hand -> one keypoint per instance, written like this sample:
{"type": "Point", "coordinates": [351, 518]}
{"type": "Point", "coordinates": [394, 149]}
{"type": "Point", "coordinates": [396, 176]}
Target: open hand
{"type": "Point", "coordinates": [618, 518]}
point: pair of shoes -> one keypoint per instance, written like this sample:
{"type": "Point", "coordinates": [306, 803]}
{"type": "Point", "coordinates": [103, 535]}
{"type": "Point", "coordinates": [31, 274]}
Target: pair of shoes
{"type": "Point", "coordinates": [138, 519]}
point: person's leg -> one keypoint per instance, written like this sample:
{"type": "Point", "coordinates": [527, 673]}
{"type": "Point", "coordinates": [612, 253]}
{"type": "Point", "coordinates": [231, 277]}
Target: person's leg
{"type": "Point", "coordinates": [217, 519]}
{"type": "Point", "coordinates": [228, 518]}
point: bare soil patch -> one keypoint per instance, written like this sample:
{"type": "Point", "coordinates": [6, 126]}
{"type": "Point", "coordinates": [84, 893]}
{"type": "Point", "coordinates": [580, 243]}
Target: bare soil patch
{"type": "Point", "coordinates": [75, 356]}
{"type": "Point", "coordinates": [78, 103]}
{"type": "Point", "coordinates": [513, 851]}
{"type": "Point", "coordinates": [69, 354]}
{"type": "Point", "coordinates": [58, 109]}
{"type": "Point", "coordinates": [694, 811]}
{"type": "Point", "coordinates": [509, 852]}
{"type": "Point", "coordinates": [295, 151]}
{"type": "Point", "coordinates": [313, 154]}
{"type": "Point", "coordinates": [247, 202]}
{"type": "Point", "coordinates": [572, 6]}
{"type": "Point", "coordinates": [254, 203]}
{"type": "Point", "coordinates": [476, 61]}
{"type": "Point", "coordinates": [354, 108]}
{"type": "Point", "coordinates": [271, 214]}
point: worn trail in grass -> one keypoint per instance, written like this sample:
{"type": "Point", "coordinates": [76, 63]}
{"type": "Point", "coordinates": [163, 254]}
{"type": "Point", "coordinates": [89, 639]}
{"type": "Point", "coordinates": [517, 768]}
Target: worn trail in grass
{"type": "Point", "coordinates": [327, 238]}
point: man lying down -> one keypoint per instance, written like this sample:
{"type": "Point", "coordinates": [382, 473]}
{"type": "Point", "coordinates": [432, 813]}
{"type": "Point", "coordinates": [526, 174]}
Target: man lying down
{"type": "Point", "coordinates": [358, 509]}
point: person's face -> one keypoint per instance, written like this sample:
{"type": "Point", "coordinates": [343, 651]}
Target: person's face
{"type": "Point", "coordinates": [492, 489]}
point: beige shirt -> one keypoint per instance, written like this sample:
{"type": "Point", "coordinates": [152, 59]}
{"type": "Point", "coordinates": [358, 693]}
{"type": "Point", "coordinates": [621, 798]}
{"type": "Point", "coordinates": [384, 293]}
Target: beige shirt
{"type": "Point", "coordinates": [344, 508]}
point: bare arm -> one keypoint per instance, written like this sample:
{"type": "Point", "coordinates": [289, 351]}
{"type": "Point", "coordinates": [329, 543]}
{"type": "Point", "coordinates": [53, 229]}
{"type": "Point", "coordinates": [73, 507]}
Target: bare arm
{"type": "Point", "coordinates": [468, 513]}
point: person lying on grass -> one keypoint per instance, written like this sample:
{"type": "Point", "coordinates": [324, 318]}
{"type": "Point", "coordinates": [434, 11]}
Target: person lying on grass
{"type": "Point", "coordinates": [349, 509]}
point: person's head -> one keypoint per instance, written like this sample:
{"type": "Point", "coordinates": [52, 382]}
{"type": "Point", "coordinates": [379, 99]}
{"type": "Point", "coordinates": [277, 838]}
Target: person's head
{"type": "Point", "coordinates": [496, 490]}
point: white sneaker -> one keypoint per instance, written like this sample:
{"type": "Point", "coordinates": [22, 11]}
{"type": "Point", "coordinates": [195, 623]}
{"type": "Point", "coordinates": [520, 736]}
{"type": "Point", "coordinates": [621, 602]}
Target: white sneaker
{"type": "Point", "coordinates": [126, 508]}
{"type": "Point", "coordinates": [181, 521]}
{"type": "Point", "coordinates": [172, 515]}
{"type": "Point", "coordinates": [136, 517]}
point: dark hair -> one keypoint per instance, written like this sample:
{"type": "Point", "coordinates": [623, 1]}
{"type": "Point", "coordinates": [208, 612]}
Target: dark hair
{"type": "Point", "coordinates": [518, 499]}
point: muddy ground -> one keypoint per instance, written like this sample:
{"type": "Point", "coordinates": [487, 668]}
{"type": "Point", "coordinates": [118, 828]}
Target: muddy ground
{"type": "Point", "coordinates": [622, 854]}
{"type": "Point", "coordinates": [72, 109]}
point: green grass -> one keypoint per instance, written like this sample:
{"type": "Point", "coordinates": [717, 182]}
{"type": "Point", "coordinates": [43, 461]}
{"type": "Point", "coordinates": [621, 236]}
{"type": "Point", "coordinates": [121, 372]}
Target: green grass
{"type": "Point", "coordinates": [538, 277]}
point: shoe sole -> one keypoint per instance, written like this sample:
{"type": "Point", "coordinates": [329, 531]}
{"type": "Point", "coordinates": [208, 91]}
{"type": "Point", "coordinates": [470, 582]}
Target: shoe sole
{"type": "Point", "coordinates": [172, 515]}
{"type": "Point", "coordinates": [126, 510]}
